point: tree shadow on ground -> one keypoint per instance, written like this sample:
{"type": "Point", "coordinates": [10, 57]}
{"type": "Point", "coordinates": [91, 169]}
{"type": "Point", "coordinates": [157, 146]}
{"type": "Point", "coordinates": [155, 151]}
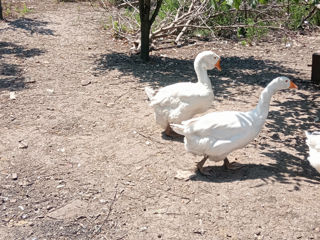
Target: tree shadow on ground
{"type": "Point", "coordinates": [30, 25]}
{"type": "Point", "coordinates": [295, 115]}
{"type": "Point", "coordinates": [11, 75]}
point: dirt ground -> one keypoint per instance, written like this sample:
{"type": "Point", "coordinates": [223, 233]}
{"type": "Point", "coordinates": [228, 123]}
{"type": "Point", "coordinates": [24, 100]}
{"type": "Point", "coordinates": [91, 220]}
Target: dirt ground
{"type": "Point", "coordinates": [82, 158]}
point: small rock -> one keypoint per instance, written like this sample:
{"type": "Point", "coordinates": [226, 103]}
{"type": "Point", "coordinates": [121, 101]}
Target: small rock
{"type": "Point", "coordinates": [184, 175]}
{"type": "Point", "coordinates": [14, 176]}
{"type": "Point", "coordinates": [129, 183]}
{"type": "Point", "coordinates": [12, 95]}
{"type": "Point", "coordinates": [85, 82]}
{"type": "Point", "coordinates": [61, 150]}
{"type": "Point", "coordinates": [29, 80]}
{"type": "Point", "coordinates": [142, 229]}
{"type": "Point", "coordinates": [60, 186]}
{"type": "Point", "coordinates": [110, 104]}
{"type": "Point", "coordinates": [103, 201]}
{"type": "Point", "coordinates": [51, 91]}
{"type": "Point", "coordinates": [24, 183]}
{"type": "Point", "coordinates": [22, 145]}
{"type": "Point", "coordinates": [49, 207]}
{"type": "Point", "coordinates": [21, 208]}
{"type": "Point", "coordinates": [148, 143]}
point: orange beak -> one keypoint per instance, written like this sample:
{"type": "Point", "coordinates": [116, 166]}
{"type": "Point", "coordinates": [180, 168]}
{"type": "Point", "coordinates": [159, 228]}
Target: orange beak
{"type": "Point", "coordinates": [217, 65]}
{"type": "Point", "coordinates": [292, 85]}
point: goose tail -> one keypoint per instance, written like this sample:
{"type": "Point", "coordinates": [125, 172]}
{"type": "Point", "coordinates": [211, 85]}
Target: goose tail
{"type": "Point", "coordinates": [178, 128]}
{"type": "Point", "coordinates": [313, 139]}
{"type": "Point", "coordinates": [150, 92]}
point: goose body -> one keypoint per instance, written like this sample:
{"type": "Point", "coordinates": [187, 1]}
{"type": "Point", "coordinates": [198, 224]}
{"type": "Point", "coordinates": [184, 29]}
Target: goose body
{"type": "Point", "coordinates": [217, 134]}
{"type": "Point", "coordinates": [181, 101]}
{"type": "Point", "coordinates": [313, 141]}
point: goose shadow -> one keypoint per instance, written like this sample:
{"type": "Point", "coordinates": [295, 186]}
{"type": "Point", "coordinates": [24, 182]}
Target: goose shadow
{"type": "Point", "coordinates": [11, 75]}
{"type": "Point", "coordinates": [178, 138]}
{"type": "Point", "coordinates": [295, 114]}
{"type": "Point", "coordinates": [267, 173]}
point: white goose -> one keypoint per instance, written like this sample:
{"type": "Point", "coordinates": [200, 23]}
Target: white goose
{"type": "Point", "coordinates": [313, 141]}
{"type": "Point", "coordinates": [181, 101]}
{"type": "Point", "coordinates": [217, 134]}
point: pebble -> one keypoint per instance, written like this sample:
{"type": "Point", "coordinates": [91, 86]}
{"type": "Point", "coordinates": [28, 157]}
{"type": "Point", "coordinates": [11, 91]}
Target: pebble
{"type": "Point", "coordinates": [24, 183]}
{"type": "Point", "coordinates": [14, 176]}
{"type": "Point", "coordinates": [22, 145]}
{"type": "Point", "coordinates": [110, 104]}
{"type": "Point", "coordinates": [49, 207]}
{"type": "Point", "coordinates": [85, 82]}
{"type": "Point", "coordinates": [142, 229]}
{"type": "Point", "coordinates": [51, 91]}
{"type": "Point", "coordinates": [12, 95]}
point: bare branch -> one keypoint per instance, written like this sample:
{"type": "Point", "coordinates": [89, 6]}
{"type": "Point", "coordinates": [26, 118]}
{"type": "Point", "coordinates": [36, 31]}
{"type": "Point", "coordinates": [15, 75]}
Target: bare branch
{"type": "Point", "coordinates": [156, 11]}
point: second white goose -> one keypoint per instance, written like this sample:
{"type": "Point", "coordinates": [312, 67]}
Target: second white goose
{"type": "Point", "coordinates": [217, 134]}
{"type": "Point", "coordinates": [181, 101]}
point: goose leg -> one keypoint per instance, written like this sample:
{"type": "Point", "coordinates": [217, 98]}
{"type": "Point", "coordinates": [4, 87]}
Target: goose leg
{"type": "Point", "coordinates": [231, 166]}
{"type": "Point", "coordinates": [201, 168]}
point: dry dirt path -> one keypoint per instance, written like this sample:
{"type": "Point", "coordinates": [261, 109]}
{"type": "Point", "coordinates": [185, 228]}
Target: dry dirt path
{"type": "Point", "coordinates": [81, 156]}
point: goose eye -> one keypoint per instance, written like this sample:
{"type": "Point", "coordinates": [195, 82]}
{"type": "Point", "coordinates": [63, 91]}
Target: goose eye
{"type": "Point", "coordinates": [286, 80]}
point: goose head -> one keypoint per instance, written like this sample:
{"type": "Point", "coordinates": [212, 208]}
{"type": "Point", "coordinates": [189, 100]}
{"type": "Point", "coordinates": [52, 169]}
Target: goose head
{"type": "Point", "coordinates": [207, 60]}
{"type": "Point", "coordinates": [281, 83]}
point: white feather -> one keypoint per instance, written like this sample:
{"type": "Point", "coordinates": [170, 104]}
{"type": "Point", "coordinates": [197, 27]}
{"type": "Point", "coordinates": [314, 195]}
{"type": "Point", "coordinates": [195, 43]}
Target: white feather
{"type": "Point", "coordinates": [313, 141]}
{"type": "Point", "coordinates": [150, 92]}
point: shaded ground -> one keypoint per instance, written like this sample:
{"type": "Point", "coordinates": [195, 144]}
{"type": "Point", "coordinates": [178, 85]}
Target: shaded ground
{"type": "Point", "coordinates": [82, 158]}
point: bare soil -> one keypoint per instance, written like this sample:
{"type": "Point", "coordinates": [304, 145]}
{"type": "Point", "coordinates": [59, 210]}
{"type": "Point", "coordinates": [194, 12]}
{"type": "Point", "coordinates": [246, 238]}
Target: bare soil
{"type": "Point", "coordinates": [82, 158]}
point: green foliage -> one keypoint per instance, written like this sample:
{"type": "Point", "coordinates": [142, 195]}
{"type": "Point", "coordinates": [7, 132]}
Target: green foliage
{"type": "Point", "coordinates": [248, 21]}
{"type": "Point", "coordinates": [254, 32]}
{"type": "Point", "coordinates": [14, 9]}
{"type": "Point", "coordinates": [168, 6]}
{"type": "Point", "coordinates": [24, 10]}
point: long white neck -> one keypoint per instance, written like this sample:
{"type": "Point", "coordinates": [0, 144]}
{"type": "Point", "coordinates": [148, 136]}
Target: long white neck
{"type": "Point", "coordinates": [202, 74]}
{"type": "Point", "coordinates": [262, 108]}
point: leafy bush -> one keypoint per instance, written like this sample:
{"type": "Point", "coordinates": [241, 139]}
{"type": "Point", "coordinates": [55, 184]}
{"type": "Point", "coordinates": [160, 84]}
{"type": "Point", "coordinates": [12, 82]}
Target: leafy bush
{"type": "Point", "coordinates": [248, 20]}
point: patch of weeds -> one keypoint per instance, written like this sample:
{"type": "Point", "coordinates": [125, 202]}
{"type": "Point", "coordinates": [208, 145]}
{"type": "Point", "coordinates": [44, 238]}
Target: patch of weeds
{"type": "Point", "coordinates": [24, 10]}
{"type": "Point", "coordinates": [243, 43]}
{"type": "Point", "coordinates": [17, 9]}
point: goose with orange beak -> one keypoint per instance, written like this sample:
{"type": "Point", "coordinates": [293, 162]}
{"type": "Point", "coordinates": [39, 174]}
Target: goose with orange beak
{"type": "Point", "coordinates": [181, 101]}
{"type": "Point", "coordinates": [217, 134]}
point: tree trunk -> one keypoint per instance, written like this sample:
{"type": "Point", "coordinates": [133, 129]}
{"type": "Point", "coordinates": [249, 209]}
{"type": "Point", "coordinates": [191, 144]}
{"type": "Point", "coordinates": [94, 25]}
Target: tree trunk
{"type": "Point", "coordinates": [145, 40]}
{"type": "Point", "coordinates": [1, 16]}
{"type": "Point", "coordinates": [145, 7]}
{"type": "Point", "coordinates": [146, 23]}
